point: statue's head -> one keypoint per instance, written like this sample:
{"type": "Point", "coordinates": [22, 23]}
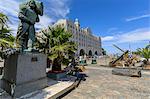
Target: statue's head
{"type": "Point", "coordinates": [32, 4]}
{"type": "Point", "coordinates": [39, 8]}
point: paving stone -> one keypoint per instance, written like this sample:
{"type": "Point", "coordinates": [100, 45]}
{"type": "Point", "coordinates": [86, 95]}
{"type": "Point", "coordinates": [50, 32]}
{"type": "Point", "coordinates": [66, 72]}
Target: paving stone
{"type": "Point", "coordinates": [101, 84]}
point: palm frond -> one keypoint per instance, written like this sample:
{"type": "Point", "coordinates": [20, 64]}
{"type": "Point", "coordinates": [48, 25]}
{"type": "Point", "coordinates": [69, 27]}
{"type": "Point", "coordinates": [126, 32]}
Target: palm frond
{"type": "Point", "coordinates": [4, 43]}
{"type": "Point", "coordinates": [57, 40]}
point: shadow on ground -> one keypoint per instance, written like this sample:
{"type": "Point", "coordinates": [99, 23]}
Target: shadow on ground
{"type": "Point", "coordinates": [81, 77]}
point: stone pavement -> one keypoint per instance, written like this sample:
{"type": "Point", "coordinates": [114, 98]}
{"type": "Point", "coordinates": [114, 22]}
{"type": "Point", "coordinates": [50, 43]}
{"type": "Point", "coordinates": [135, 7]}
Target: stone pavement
{"type": "Point", "coordinates": [101, 84]}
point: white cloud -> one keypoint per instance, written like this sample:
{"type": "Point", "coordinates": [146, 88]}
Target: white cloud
{"type": "Point", "coordinates": [9, 7]}
{"type": "Point", "coordinates": [134, 36]}
{"type": "Point", "coordinates": [137, 17]}
{"type": "Point", "coordinates": [107, 38]}
{"type": "Point", "coordinates": [44, 21]}
{"type": "Point", "coordinates": [59, 8]}
{"type": "Point", "coordinates": [53, 10]}
{"type": "Point", "coordinates": [137, 35]}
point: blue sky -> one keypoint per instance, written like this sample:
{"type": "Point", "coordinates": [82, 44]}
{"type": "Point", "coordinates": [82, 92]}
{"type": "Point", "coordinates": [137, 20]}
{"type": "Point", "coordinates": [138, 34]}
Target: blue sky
{"type": "Point", "coordinates": [120, 22]}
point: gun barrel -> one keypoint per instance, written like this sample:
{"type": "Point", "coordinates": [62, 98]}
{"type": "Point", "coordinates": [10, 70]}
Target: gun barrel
{"type": "Point", "coordinates": [118, 48]}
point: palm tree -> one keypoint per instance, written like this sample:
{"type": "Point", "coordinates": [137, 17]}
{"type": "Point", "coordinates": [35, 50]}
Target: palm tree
{"type": "Point", "coordinates": [3, 20]}
{"type": "Point", "coordinates": [55, 41]}
{"type": "Point", "coordinates": [144, 52]}
{"type": "Point", "coordinates": [6, 38]}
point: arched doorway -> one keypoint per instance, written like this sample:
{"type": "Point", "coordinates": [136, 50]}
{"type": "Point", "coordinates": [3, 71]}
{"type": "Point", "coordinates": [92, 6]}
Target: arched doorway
{"type": "Point", "coordinates": [96, 53]}
{"type": "Point", "coordinates": [90, 53]}
{"type": "Point", "coordinates": [82, 52]}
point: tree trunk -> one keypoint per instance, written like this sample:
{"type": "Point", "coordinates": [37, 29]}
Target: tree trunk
{"type": "Point", "coordinates": [147, 61]}
{"type": "Point", "coordinates": [56, 66]}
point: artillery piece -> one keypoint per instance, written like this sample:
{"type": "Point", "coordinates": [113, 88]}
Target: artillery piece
{"type": "Point", "coordinates": [125, 59]}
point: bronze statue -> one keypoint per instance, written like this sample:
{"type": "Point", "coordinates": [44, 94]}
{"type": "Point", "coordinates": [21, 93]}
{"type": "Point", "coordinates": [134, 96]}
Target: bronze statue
{"type": "Point", "coordinates": [28, 15]}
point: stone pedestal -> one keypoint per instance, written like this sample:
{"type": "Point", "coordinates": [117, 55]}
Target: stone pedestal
{"type": "Point", "coordinates": [24, 73]}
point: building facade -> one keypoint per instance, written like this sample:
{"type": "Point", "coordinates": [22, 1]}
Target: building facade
{"type": "Point", "coordinates": [88, 44]}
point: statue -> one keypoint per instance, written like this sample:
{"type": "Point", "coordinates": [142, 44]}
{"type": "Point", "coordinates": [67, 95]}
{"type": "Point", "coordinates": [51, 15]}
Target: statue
{"type": "Point", "coordinates": [20, 70]}
{"type": "Point", "coordinates": [28, 15]}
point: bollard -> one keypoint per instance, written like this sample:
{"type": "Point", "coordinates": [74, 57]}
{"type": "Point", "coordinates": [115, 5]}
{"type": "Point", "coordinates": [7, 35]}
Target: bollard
{"type": "Point", "coordinates": [94, 61]}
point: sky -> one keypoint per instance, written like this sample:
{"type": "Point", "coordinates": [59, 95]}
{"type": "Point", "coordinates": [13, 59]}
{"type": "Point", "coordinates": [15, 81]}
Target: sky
{"type": "Point", "coordinates": [125, 23]}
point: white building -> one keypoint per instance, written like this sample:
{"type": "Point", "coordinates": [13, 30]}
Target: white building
{"type": "Point", "coordinates": [83, 37]}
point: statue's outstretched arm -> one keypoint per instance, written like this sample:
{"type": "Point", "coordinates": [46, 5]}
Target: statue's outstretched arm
{"type": "Point", "coordinates": [22, 16]}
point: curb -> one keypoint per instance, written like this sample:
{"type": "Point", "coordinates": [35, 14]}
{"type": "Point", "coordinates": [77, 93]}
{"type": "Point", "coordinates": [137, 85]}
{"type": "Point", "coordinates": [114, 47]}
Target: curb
{"type": "Point", "coordinates": [62, 92]}
{"type": "Point", "coordinates": [39, 95]}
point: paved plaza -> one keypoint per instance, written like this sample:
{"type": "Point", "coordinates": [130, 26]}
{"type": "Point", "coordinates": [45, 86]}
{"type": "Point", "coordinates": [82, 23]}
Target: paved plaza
{"type": "Point", "coordinates": [101, 84]}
